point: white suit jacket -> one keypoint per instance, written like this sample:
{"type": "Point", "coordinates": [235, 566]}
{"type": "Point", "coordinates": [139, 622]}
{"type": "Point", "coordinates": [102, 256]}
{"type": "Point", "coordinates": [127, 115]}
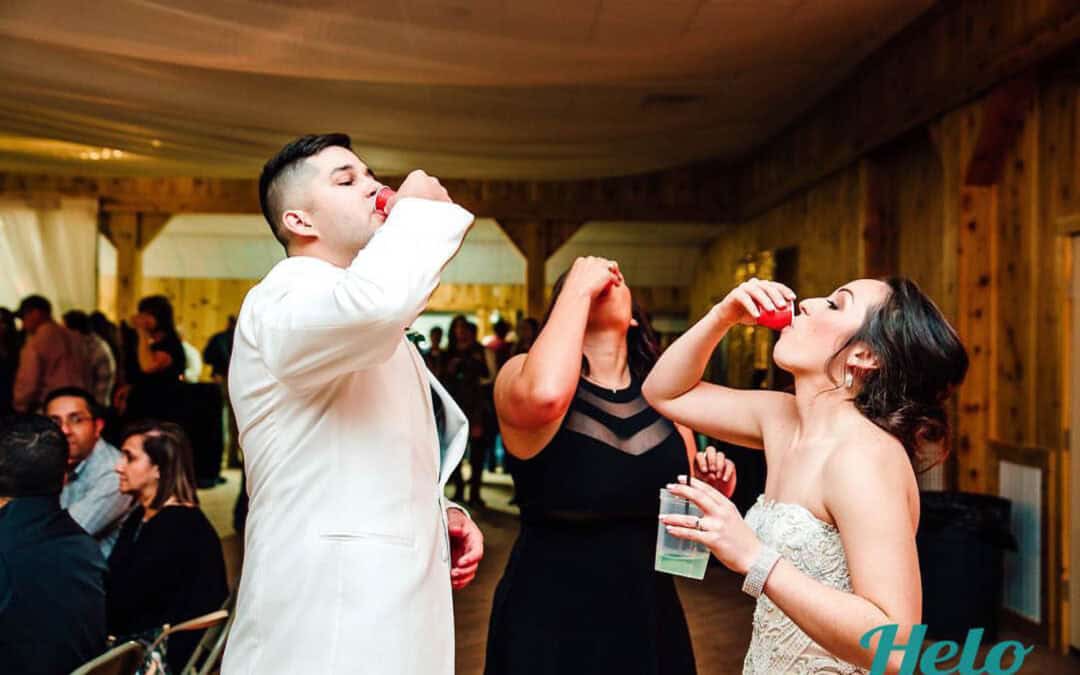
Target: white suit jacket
{"type": "Point", "coordinates": [346, 566]}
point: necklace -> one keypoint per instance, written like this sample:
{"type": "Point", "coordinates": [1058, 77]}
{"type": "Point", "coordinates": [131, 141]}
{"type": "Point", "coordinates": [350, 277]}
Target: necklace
{"type": "Point", "coordinates": [614, 390]}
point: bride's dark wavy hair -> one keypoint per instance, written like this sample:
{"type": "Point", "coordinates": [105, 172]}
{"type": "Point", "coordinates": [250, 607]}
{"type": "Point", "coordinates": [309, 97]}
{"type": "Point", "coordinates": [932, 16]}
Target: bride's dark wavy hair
{"type": "Point", "coordinates": [642, 347]}
{"type": "Point", "coordinates": [921, 361]}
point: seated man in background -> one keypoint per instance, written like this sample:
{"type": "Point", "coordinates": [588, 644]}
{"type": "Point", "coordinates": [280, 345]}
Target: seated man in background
{"type": "Point", "coordinates": [52, 575]}
{"type": "Point", "coordinates": [92, 490]}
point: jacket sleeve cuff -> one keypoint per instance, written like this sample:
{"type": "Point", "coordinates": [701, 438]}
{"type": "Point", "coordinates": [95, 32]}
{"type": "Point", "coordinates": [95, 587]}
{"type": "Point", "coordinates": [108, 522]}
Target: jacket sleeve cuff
{"type": "Point", "coordinates": [459, 507]}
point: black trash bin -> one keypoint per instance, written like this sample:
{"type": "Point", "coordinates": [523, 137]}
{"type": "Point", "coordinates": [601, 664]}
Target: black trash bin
{"type": "Point", "coordinates": [962, 540]}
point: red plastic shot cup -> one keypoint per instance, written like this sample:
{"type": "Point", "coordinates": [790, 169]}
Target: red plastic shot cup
{"type": "Point", "coordinates": [382, 198]}
{"type": "Point", "coordinates": [778, 319]}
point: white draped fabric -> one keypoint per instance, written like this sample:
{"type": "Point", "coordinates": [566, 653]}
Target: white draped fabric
{"type": "Point", "coordinates": [49, 251]}
{"type": "Point", "coordinates": [464, 89]}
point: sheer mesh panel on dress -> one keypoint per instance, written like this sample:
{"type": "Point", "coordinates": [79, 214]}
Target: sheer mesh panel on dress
{"type": "Point", "coordinates": [631, 427]}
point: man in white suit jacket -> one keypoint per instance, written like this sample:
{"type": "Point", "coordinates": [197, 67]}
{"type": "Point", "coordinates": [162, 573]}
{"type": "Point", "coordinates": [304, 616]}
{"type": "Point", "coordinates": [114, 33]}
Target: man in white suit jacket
{"type": "Point", "coordinates": [350, 548]}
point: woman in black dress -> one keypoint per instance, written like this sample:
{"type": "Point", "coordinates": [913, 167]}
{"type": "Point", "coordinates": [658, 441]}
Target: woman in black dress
{"type": "Point", "coordinates": [579, 594]}
{"type": "Point", "coordinates": [167, 565]}
{"type": "Point", "coordinates": [160, 352]}
{"type": "Point", "coordinates": [154, 363]}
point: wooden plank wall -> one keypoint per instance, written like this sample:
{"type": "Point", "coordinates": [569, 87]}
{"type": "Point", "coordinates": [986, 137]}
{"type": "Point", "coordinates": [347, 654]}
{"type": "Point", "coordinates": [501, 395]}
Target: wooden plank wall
{"type": "Point", "coordinates": [968, 214]}
{"type": "Point", "coordinates": [822, 222]}
{"type": "Point", "coordinates": [914, 184]}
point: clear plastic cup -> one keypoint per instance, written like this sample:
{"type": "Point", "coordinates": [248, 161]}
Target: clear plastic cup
{"type": "Point", "coordinates": [679, 556]}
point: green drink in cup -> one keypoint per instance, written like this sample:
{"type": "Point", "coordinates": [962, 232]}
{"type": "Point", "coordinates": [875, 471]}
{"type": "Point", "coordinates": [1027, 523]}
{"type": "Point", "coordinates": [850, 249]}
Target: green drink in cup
{"type": "Point", "coordinates": [679, 556]}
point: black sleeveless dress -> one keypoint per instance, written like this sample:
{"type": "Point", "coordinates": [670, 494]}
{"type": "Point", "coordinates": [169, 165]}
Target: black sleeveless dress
{"type": "Point", "coordinates": [579, 594]}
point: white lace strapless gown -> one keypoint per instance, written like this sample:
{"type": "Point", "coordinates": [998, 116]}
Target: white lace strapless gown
{"type": "Point", "coordinates": [778, 646]}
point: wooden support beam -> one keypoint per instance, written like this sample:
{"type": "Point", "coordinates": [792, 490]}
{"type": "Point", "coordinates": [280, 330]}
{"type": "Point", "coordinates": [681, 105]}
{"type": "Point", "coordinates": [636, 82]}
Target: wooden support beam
{"type": "Point", "coordinates": [529, 239]}
{"type": "Point", "coordinates": [130, 233]}
{"type": "Point", "coordinates": [954, 137]}
{"type": "Point", "coordinates": [537, 241]}
{"type": "Point", "coordinates": [701, 193]}
{"type": "Point", "coordinates": [1061, 153]}
{"type": "Point", "coordinates": [947, 57]}
{"type": "Point", "coordinates": [975, 324]}
{"type": "Point", "coordinates": [123, 229]}
{"type": "Point", "coordinates": [150, 226]}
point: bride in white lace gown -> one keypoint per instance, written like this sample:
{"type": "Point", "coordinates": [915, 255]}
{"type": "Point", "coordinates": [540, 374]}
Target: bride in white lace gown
{"type": "Point", "coordinates": [829, 549]}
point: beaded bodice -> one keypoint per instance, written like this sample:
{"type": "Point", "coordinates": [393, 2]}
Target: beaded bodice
{"type": "Point", "coordinates": [814, 547]}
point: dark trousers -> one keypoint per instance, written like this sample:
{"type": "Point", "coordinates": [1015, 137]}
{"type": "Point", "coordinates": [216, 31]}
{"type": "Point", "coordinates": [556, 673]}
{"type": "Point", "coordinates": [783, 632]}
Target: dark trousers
{"type": "Point", "coordinates": [477, 453]}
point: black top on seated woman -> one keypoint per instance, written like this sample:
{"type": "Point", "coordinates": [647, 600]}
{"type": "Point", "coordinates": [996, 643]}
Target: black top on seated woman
{"type": "Point", "coordinates": [167, 565]}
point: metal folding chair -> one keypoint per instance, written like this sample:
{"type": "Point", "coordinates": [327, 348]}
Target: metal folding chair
{"type": "Point", "coordinates": [203, 622]}
{"type": "Point", "coordinates": [207, 654]}
{"type": "Point", "coordinates": [123, 659]}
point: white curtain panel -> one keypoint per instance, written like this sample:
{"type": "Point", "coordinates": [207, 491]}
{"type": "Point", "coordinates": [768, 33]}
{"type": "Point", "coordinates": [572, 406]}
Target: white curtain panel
{"type": "Point", "coordinates": [51, 252]}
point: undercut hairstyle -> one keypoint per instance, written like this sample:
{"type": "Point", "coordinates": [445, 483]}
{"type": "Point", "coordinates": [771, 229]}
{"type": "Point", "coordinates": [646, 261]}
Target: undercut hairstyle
{"type": "Point", "coordinates": [283, 168]}
{"type": "Point", "coordinates": [33, 456]}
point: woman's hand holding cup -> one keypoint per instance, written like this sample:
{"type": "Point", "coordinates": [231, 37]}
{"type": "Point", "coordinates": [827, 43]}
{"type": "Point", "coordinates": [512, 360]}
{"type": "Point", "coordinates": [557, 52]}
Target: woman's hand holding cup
{"type": "Point", "coordinates": [746, 303]}
{"type": "Point", "coordinates": [591, 276]}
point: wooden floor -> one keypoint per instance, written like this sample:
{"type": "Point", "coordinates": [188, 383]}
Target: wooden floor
{"type": "Point", "coordinates": [718, 613]}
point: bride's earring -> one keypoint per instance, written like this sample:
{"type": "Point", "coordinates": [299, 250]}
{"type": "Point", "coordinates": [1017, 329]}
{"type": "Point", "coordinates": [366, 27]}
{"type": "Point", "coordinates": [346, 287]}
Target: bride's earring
{"type": "Point", "coordinates": [849, 379]}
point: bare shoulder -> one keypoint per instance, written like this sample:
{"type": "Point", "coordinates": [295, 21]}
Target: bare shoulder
{"type": "Point", "coordinates": [779, 403]}
{"type": "Point", "coordinates": [870, 467]}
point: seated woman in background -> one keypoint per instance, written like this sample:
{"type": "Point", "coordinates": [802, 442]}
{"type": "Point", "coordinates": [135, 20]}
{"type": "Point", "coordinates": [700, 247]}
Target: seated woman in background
{"type": "Point", "coordinates": [167, 564]}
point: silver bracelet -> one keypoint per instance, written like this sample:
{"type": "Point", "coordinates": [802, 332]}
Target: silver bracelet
{"type": "Point", "coordinates": [759, 572]}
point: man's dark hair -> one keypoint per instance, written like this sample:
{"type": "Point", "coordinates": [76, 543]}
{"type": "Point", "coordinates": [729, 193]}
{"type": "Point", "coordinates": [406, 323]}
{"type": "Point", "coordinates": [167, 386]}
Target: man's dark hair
{"type": "Point", "coordinates": [34, 302]}
{"type": "Point", "coordinates": [78, 392]}
{"type": "Point", "coordinates": [33, 456]}
{"type": "Point", "coordinates": [501, 328]}
{"type": "Point", "coordinates": [78, 321]}
{"type": "Point", "coordinates": [282, 168]}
